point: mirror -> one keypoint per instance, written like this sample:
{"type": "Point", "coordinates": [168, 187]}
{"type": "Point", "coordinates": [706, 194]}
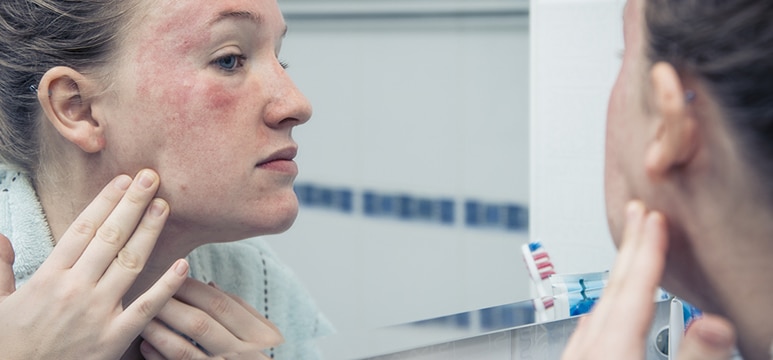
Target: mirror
{"type": "Point", "coordinates": [415, 169]}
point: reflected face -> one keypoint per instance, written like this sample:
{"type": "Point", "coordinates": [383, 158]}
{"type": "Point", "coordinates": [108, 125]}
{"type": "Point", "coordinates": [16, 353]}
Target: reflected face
{"type": "Point", "coordinates": [625, 119]}
{"type": "Point", "coordinates": [200, 95]}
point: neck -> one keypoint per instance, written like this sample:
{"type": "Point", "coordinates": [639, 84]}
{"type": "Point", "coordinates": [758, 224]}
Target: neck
{"type": "Point", "coordinates": [721, 254]}
{"type": "Point", "coordinates": [743, 269]}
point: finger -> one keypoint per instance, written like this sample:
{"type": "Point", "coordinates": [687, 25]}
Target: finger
{"type": "Point", "coordinates": [577, 340]}
{"type": "Point", "coordinates": [233, 315]}
{"type": "Point", "coordinates": [646, 268]}
{"type": "Point", "coordinates": [140, 312]}
{"type": "Point", "coordinates": [117, 228]}
{"type": "Point", "coordinates": [7, 279]}
{"type": "Point", "coordinates": [275, 342]}
{"type": "Point", "coordinates": [708, 338]}
{"type": "Point", "coordinates": [634, 221]}
{"type": "Point", "coordinates": [149, 352]}
{"type": "Point", "coordinates": [212, 334]}
{"type": "Point", "coordinates": [200, 327]}
{"type": "Point", "coordinates": [252, 311]}
{"type": "Point", "coordinates": [163, 343]}
{"type": "Point", "coordinates": [132, 258]}
{"type": "Point", "coordinates": [631, 306]}
{"type": "Point", "coordinates": [620, 273]}
{"type": "Point", "coordinates": [75, 239]}
{"type": "Point", "coordinates": [621, 320]}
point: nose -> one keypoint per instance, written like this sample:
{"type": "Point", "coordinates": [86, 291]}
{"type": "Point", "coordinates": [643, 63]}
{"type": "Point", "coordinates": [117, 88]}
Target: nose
{"type": "Point", "coordinates": [288, 106]}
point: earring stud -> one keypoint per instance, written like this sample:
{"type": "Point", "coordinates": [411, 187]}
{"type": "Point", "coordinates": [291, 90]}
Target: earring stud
{"type": "Point", "coordinates": [689, 96]}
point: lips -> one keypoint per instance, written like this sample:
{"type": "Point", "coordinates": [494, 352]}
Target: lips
{"type": "Point", "coordinates": [281, 161]}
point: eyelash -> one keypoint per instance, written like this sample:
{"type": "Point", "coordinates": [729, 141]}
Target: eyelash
{"type": "Point", "coordinates": [283, 64]}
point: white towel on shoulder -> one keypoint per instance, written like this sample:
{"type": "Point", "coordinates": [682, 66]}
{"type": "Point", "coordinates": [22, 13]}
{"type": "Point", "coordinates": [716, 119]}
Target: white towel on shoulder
{"type": "Point", "coordinates": [22, 220]}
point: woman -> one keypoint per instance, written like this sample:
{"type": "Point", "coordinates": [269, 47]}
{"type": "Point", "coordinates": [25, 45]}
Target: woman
{"type": "Point", "coordinates": [191, 97]}
{"type": "Point", "coordinates": [690, 135]}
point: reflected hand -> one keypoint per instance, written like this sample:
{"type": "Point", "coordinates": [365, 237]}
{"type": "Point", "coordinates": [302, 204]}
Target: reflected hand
{"type": "Point", "coordinates": [709, 337]}
{"type": "Point", "coordinates": [71, 308]}
{"type": "Point", "coordinates": [618, 326]}
{"type": "Point", "coordinates": [223, 324]}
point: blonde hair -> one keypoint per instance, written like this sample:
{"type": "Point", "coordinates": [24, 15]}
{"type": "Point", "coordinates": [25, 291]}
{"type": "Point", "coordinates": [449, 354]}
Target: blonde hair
{"type": "Point", "coordinates": [36, 35]}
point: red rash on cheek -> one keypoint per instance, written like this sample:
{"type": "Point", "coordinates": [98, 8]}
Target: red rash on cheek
{"type": "Point", "coordinates": [221, 99]}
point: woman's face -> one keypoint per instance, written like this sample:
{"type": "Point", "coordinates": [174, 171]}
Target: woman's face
{"type": "Point", "coordinates": [626, 119]}
{"type": "Point", "coordinates": [199, 95]}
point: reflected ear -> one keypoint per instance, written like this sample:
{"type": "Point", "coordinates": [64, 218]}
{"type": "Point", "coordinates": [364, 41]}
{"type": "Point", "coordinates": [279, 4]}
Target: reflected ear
{"type": "Point", "coordinates": [675, 141]}
{"type": "Point", "coordinates": [63, 94]}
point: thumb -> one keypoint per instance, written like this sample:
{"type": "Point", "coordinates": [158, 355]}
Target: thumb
{"type": "Point", "coordinates": [7, 280]}
{"type": "Point", "coordinates": [708, 338]}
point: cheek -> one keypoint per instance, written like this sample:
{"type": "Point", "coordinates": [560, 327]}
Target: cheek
{"type": "Point", "coordinates": [186, 99]}
{"type": "Point", "coordinates": [203, 117]}
{"type": "Point", "coordinates": [192, 123]}
{"type": "Point", "coordinates": [220, 99]}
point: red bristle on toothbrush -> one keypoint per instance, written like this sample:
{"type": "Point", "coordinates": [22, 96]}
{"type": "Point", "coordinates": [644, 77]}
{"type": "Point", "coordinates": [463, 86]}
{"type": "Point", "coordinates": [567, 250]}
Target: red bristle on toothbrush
{"type": "Point", "coordinates": [548, 302]}
{"type": "Point", "coordinates": [544, 264]}
{"type": "Point", "coordinates": [546, 274]}
{"type": "Point", "coordinates": [539, 255]}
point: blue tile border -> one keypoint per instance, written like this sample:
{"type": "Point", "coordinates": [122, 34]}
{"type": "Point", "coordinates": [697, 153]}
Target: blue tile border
{"type": "Point", "coordinates": [339, 199]}
{"type": "Point", "coordinates": [478, 214]}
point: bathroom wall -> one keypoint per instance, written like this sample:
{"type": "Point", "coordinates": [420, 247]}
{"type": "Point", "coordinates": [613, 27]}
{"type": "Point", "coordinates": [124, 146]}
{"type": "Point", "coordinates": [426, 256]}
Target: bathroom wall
{"type": "Point", "coordinates": [414, 169]}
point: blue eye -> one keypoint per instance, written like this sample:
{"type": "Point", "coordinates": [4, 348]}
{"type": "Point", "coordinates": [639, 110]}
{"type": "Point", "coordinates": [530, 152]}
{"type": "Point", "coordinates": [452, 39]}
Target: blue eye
{"type": "Point", "coordinates": [229, 62]}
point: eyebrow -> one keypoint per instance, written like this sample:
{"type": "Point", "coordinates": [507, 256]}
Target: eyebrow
{"type": "Point", "coordinates": [243, 15]}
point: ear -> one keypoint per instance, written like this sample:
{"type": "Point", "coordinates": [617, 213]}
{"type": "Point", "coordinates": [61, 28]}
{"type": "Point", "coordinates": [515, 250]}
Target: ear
{"type": "Point", "coordinates": [675, 141]}
{"type": "Point", "coordinates": [64, 95]}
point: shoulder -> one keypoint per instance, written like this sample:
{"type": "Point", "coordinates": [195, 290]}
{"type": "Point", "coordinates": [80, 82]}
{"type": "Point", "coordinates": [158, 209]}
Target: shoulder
{"type": "Point", "coordinates": [22, 220]}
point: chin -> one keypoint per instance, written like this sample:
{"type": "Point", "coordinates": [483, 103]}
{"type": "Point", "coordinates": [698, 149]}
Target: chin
{"type": "Point", "coordinates": [614, 221]}
{"type": "Point", "coordinates": [286, 224]}
{"type": "Point", "coordinates": [615, 231]}
{"type": "Point", "coordinates": [277, 220]}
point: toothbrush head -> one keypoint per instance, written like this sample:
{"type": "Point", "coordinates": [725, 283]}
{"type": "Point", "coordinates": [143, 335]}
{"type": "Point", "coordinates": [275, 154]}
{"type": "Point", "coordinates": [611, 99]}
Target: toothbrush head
{"type": "Point", "coordinates": [534, 246]}
{"type": "Point", "coordinates": [541, 259]}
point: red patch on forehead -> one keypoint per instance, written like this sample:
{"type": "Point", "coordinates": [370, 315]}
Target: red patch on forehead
{"type": "Point", "coordinates": [168, 40]}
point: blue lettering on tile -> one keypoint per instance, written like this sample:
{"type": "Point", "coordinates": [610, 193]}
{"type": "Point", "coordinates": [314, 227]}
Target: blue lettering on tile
{"type": "Point", "coordinates": [478, 214]}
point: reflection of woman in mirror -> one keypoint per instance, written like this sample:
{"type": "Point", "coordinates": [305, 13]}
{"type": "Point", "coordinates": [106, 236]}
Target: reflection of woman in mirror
{"type": "Point", "coordinates": [190, 97]}
{"type": "Point", "coordinates": [690, 135]}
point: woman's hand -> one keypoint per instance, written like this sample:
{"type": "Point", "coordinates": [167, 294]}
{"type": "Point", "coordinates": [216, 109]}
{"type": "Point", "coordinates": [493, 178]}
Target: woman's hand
{"type": "Point", "coordinates": [222, 324]}
{"type": "Point", "coordinates": [71, 308]}
{"type": "Point", "coordinates": [617, 327]}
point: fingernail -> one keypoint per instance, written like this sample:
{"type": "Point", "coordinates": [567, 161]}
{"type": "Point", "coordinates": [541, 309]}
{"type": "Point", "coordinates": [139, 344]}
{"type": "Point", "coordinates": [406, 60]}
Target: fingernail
{"type": "Point", "coordinates": [181, 267]}
{"type": "Point", "coordinates": [157, 207]}
{"type": "Point", "coordinates": [653, 220]}
{"type": "Point", "coordinates": [123, 182]}
{"type": "Point", "coordinates": [146, 179]}
{"type": "Point", "coordinates": [720, 338]}
{"type": "Point", "coordinates": [633, 210]}
{"type": "Point", "coordinates": [145, 347]}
